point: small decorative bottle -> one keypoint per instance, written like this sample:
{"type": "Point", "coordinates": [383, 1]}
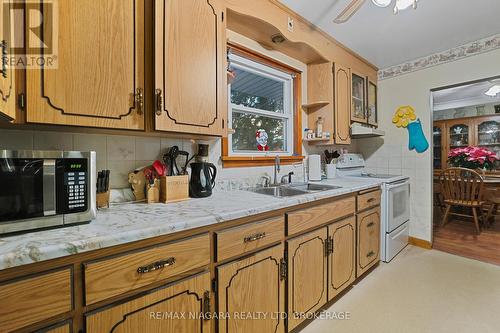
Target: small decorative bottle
{"type": "Point", "coordinates": [319, 127]}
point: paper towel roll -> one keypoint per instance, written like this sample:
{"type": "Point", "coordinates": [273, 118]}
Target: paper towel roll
{"type": "Point", "coordinates": [314, 167]}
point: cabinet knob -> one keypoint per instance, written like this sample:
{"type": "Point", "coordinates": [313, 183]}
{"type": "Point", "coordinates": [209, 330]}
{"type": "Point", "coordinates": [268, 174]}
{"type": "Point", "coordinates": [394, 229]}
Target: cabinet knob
{"type": "Point", "coordinates": [370, 254]}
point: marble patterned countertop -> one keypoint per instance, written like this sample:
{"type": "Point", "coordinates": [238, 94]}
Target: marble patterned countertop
{"type": "Point", "coordinates": [128, 222]}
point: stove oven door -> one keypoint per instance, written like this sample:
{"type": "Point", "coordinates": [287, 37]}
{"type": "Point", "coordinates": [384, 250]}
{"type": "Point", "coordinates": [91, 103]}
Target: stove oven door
{"type": "Point", "coordinates": [398, 204]}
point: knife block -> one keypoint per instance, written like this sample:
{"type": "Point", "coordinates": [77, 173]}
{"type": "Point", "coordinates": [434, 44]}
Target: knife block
{"type": "Point", "coordinates": [102, 199]}
{"type": "Point", "coordinates": [174, 188]}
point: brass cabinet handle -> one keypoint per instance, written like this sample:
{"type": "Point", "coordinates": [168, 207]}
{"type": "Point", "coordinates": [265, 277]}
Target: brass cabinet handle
{"type": "Point", "coordinates": [371, 224]}
{"type": "Point", "coordinates": [139, 100]}
{"type": "Point", "coordinates": [370, 254]}
{"type": "Point", "coordinates": [371, 200]}
{"type": "Point", "coordinates": [3, 70]}
{"type": "Point", "coordinates": [254, 237]}
{"type": "Point", "coordinates": [159, 102]}
{"type": "Point", "coordinates": [156, 265]}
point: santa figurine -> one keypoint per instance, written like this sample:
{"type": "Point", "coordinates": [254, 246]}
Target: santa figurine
{"type": "Point", "coordinates": [261, 137]}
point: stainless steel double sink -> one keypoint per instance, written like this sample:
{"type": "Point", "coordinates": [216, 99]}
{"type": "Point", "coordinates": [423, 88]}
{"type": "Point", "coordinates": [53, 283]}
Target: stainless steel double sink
{"type": "Point", "coordinates": [291, 190]}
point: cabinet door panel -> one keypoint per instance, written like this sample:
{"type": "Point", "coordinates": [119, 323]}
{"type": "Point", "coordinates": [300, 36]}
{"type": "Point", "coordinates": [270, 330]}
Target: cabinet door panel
{"type": "Point", "coordinates": [358, 101]}
{"type": "Point", "coordinates": [307, 275]}
{"type": "Point", "coordinates": [164, 310]}
{"type": "Point", "coordinates": [100, 65]}
{"type": "Point", "coordinates": [368, 240]}
{"type": "Point", "coordinates": [252, 285]}
{"type": "Point", "coordinates": [372, 103]}
{"type": "Point", "coordinates": [189, 64]}
{"type": "Point", "coordinates": [342, 258]}
{"type": "Point", "coordinates": [7, 75]}
{"type": "Point", "coordinates": [342, 82]}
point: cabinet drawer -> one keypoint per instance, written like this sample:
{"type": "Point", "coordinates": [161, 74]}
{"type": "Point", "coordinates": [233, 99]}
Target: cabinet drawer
{"type": "Point", "coordinates": [234, 241]}
{"type": "Point", "coordinates": [368, 200]}
{"type": "Point", "coordinates": [110, 277]}
{"type": "Point", "coordinates": [311, 217]}
{"type": "Point", "coordinates": [31, 300]}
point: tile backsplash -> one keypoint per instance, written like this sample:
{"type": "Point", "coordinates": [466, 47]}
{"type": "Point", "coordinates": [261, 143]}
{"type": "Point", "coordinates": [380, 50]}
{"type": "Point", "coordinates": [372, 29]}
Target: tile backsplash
{"type": "Point", "coordinates": [122, 154]}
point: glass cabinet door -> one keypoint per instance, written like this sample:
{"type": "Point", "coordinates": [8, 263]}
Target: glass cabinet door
{"type": "Point", "coordinates": [459, 136]}
{"type": "Point", "coordinates": [437, 133]}
{"type": "Point", "coordinates": [358, 99]}
{"type": "Point", "coordinates": [488, 135]}
{"type": "Point", "coordinates": [372, 104]}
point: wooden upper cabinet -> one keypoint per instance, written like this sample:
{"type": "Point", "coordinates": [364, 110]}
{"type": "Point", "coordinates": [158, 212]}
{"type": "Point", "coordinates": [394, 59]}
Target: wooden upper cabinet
{"type": "Point", "coordinates": [342, 258]}
{"type": "Point", "coordinates": [7, 73]}
{"type": "Point", "coordinates": [190, 67]}
{"type": "Point", "coordinates": [254, 284]}
{"type": "Point", "coordinates": [98, 79]}
{"type": "Point", "coordinates": [307, 275]}
{"type": "Point", "coordinates": [372, 103]}
{"type": "Point", "coordinates": [358, 102]}
{"type": "Point", "coordinates": [150, 313]}
{"type": "Point", "coordinates": [342, 84]}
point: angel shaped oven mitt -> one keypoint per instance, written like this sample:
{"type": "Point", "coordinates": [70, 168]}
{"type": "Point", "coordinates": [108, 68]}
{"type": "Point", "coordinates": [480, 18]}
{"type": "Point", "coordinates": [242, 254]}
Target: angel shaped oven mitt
{"type": "Point", "coordinates": [405, 117]}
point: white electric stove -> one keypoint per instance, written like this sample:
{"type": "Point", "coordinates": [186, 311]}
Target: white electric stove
{"type": "Point", "coordinates": [395, 205]}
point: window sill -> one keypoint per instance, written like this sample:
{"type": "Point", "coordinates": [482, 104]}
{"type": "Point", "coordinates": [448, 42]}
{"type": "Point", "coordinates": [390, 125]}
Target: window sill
{"type": "Point", "coordinates": [249, 161]}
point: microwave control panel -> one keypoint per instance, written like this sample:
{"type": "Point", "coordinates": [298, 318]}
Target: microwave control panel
{"type": "Point", "coordinates": [76, 186]}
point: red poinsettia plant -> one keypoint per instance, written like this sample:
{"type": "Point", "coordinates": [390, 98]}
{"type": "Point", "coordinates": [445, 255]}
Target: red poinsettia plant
{"type": "Point", "coordinates": [472, 158]}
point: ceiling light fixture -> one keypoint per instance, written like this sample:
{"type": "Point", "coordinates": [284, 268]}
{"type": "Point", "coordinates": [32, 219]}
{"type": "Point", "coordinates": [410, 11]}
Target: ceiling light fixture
{"type": "Point", "coordinates": [404, 4]}
{"type": "Point", "coordinates": [382, 3]}
{"type": "Point", "coordinates": [493, 91]}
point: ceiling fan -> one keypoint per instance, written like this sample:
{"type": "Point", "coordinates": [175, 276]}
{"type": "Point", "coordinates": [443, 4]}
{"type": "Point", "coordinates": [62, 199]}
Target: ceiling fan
{"type": "Point", "coordinates": [355, 5]}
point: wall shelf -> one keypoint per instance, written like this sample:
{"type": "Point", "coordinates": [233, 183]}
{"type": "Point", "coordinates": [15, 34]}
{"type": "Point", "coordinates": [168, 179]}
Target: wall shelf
{"type": "Point", "coordinates": [315, 140]}
{"type": "Point", "coordinates": [314, 105]}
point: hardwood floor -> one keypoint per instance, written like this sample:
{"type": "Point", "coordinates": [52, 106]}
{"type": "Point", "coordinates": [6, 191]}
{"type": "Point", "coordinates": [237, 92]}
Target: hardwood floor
{"type": "Point", "coordinates": [458, 237]}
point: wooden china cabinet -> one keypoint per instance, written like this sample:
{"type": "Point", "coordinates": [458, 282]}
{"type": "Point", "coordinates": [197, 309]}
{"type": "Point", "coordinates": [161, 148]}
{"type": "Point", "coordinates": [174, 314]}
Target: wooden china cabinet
{"type": "Point", "coordinates": [483, 131]}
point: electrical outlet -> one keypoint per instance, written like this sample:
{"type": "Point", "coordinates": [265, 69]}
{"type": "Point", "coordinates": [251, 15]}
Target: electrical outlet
{"type": "Point", "coordinates": [291, 24]}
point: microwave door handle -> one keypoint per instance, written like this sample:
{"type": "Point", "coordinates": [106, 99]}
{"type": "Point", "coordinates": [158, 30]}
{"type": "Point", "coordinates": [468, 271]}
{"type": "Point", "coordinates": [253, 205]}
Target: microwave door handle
{"type": "Point", "coordinates": [49, 187]}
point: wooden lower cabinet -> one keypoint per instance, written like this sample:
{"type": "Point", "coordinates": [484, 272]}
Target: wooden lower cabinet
{"type": "Point", "coordinates": [368, 240]}
{"type": "Point", "coordinates": [252, 285]}
{"type": "Point", "coordinates": [341, 260]}
{"type": "Point", "coordinates": [177, 307]}
{"type": "Point", "coordinates": [307, 275]}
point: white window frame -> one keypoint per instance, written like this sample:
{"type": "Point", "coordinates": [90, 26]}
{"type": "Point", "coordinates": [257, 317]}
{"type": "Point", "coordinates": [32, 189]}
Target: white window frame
{"type": "Point", "coordinates": [288, 113]}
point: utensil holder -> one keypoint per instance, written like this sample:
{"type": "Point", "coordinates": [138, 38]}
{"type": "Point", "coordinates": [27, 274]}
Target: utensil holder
{"type": "Point", "coordinates": [174, 188]}
{"type": "Point", "coordinates": [102, 200]}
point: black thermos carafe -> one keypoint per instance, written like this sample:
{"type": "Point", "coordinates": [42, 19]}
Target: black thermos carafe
{"type": "Point", "coordinates": [202, 175]}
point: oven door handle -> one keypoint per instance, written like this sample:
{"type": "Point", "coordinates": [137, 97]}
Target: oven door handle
{"type": "Point", "coordinates": [49, 187]}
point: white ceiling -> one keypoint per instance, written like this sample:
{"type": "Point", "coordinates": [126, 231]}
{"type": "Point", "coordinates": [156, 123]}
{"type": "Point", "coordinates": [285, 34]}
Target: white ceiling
{"type": "Point", "coordinates": [386, 39]}
{"type": "Point", "coordinates": [463, 96]}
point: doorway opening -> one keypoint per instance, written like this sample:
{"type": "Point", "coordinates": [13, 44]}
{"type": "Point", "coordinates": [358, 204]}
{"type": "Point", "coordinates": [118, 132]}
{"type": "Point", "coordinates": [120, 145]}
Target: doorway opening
{"type": "Point", "coordinates": [466, 134]}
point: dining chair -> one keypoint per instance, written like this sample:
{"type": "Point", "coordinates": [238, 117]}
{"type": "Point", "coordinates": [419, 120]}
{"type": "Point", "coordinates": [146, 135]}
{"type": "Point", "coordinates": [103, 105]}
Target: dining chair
{"type": "Point", "coordinates": [462, 187]}
{"type": "Point", "coordinates": [492, 199]}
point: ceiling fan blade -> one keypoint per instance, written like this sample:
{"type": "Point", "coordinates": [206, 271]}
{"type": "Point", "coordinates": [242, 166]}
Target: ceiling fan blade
{"type": "Point", "coordinates": [349, 11]}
